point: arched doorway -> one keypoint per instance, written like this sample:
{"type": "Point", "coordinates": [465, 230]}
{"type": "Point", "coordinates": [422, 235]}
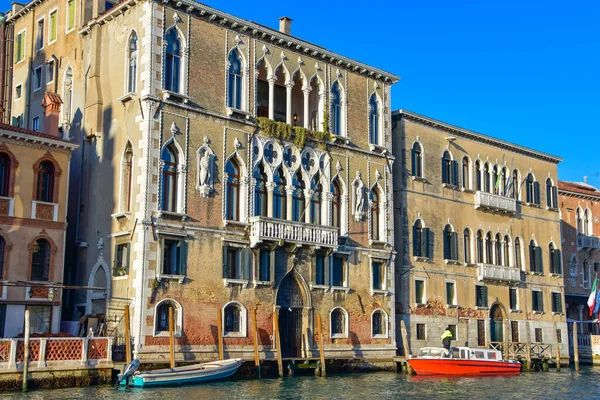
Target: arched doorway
{"type": "Point", "coordinates": [496, 324]}
{"type": "Point", "coordinates": [290, 300]}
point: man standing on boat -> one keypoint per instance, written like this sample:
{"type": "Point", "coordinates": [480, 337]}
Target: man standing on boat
{"type": "Point", "coordinates": [447, 338]}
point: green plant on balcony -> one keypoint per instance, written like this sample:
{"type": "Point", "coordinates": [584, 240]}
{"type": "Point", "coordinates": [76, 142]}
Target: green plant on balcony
{"type": "Point", "coordinates": [283, 131]}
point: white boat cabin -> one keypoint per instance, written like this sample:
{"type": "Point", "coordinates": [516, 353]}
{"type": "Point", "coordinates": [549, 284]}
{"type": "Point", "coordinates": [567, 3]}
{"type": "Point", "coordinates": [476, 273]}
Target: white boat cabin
{"type": "Point", "coordinates": [463, 353]}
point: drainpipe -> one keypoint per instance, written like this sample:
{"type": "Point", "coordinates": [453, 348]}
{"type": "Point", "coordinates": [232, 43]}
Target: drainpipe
{"type": "Point", "coordinates": [8, 65]}
{"type": "Point", "coordinates": [29, 73]}
{"type": "Point", "coordinates": [2, 63]}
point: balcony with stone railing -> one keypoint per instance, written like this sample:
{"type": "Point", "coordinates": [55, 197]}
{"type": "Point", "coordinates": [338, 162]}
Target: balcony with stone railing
{"type": "Point", "coordinates": [44, 210]}
{"type": "Point", "coordinates": [587, 242]}
{"type": "Point", "coordinates": [273, 229]}
{"type": "Point", "coordinates": [495, 202]}
{"type": "Point", "coordinates": [489, 272]}
{"type": "Point", "coordinates": [7, 206]}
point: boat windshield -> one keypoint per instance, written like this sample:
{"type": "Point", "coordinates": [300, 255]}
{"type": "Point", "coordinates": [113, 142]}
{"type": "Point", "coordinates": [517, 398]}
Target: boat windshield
{"type": "Point", "coordinates": [434, 352]}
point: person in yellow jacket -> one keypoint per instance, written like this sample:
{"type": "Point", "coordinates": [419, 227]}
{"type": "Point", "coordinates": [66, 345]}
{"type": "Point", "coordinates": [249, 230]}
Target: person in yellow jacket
{"type": "Point", "coordinates": [447, 338]}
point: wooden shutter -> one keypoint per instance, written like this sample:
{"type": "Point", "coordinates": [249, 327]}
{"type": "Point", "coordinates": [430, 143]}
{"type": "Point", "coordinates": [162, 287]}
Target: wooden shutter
{"type": "Point", "coordinates": [225, 262]}
{"type": "Point", "coordinates": [454, 173]}
{"type": "Point", "coordinates": [554, 197]}
{"type": "Point", "coordinates": [557, 262]}
{"type": "Point", "coordinates": [454, 246]}
{"type": "Point", "coordinates": [246, 261]}
{"type": "Point", "coordinates": [540, 300]}
{"type": "Point", "coordinates": [415, 242]}
{"type": "Point", "coordinates": [413, 162]}
{"type": "Point", "coordinates": [444, 177]}
{"type": "Point", "coordinates": [536, 192]}
{"type": "Point", "coordinates": [538, 259]}
{"type": "Point", "coordinates": [425, 242]}
{"type": "Point", "coordinates": [484, 291]}
{"type": "Point", "coordinates": [182, 265]}
{"type": "Point", "coordinates": [528, 193]}
{"type": "Point", "coordinates": [326, 269]}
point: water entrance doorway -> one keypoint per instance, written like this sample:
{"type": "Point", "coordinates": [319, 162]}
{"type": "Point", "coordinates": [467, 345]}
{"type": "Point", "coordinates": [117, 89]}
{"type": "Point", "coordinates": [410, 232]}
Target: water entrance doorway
{"type": "Point", "coordinates": [496, 324]}
{"type": "Point", "coordinates": [291, 303]}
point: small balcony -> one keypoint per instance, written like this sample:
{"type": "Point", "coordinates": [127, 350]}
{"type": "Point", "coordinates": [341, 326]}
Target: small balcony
{"type": "Point", "coordinates": [494, 202]}
{"type": "Point", "coordinates": [587, 242]}
{"type": "Point", "coordinates": [273, 229]}
{"type": "Point", "coordinates": [45, 211]}
{"type": "Point", "coordinates": [489, 272]}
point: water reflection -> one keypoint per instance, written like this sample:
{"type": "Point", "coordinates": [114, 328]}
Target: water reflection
{"type": "Point", "coordinates": [382, 385]}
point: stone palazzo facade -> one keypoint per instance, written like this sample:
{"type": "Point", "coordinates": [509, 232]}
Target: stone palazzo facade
{"type": "Point", "coordinates": [478, 237]}
{"type": "Point", "coordinates": [226, 168]}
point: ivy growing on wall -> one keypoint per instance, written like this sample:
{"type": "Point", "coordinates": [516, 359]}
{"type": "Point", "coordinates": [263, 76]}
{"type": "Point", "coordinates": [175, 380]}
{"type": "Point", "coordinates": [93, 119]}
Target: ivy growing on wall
{"type": "Point", "coordinates": [300, 135]}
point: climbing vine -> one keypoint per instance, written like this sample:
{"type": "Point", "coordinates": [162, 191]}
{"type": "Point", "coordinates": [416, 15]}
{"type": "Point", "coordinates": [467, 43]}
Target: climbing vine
{"type": "Point", "coordinates": [300, 135]}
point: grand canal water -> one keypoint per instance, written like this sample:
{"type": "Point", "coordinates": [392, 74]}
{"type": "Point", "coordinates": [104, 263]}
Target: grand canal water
{"type": "Point", "coordinates": [381, 385]}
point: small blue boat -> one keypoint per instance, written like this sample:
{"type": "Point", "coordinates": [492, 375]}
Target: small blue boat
{"type": "Point", "coordinates": [197, 373]}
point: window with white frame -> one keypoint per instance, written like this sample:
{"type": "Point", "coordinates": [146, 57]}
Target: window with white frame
{"type": "Point", "coordinates": [37, 78]}
{"type": "Point", "coordinates": [132, 63]}
{"type": "Point", "coordinates": [379, 324]}
{"type": "Point", "coordinates": [35, 124]}
{"type": "Point", "coordinates": [481, 296]}
{"type": "Point", "coordinates": [513, 298]}
{"type": "Point", "coordinates": [417, 160]}
{"type": "Point", "coordinates": [419, 291]}
{"type": "Point", "coordinates": [235, 95]}
{"type": "Point", "coordinates": [451, 293]}
{"type": "Point", "coordinates": [557, 303]}
{"type": "Point", "coordinates": [378, 274]}
{"type": "Point", "coordinates": [18, 91]}
{"type": "Point", "coordinates": [121, 263]}
{"type": "Point", "coordinates": [339, 276]}
{"type": "Point", "coordinates": [70, 15]}
{"type": "Point", "coordinates": [467, 238]}
{"type": "Point", "coordinates": [53, 26]}
{"type": "Point", "coordinates": [321, 269]}
{"type": "Point", "coordinates": [265, 264]}
{"type": "Point", "coordinates": [236, 263]}
{"type": "Point", "coordinates": [466, 173]}
{"type": "Point", "coordinates": [174, 256]}
{"type": "Point", "coordinates": [49, 71]}
{"type": "Point", "coordinates": [19, 46]}
{"type": "Point", "coordinates": [173, 61]}
{"type": "Point", "coordinates": [161, 318]}
{"type": "Point", "coordinates": [39, 35]}
{"type": "Point", "coordinates": [374, 121]}
{"type": "Point", "coordinates": [339, 323]}
{"type": "Point", "coordinates": [532, 190]}
{"type": "Point", "coordinates": [537, 300]}
{"type": "Point", "coordinates": [551, 194]}
{"type": "Point", "coordinates": [234, 320]}
{"type": "Point", "coordinates": [449, 169]}
{"type": "Point", "coordinates": [450, 244]}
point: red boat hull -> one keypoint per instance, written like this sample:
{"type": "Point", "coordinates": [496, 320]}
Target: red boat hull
{"type": "Point", "coordinates": [440, 366]}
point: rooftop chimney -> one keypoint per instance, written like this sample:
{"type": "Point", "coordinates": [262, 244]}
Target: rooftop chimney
{"type": "Point", "coordinates": [51, 104]}
{"type": "Point", "coordinates": [285, 25]}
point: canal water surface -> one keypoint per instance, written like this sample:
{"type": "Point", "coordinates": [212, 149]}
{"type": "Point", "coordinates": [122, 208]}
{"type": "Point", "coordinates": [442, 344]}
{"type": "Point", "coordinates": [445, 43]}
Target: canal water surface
{"type": "Point", "coordinates": [380, 385]}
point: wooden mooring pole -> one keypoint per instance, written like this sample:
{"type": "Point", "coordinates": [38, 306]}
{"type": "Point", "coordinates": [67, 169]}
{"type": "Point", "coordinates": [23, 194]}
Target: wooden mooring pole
{"type": "Point", "coordinates": [256, 360]}
{"type": "Point", "coordinates": [127, 336]}
{"type": "Point", "coordinates": [528, 345]}
{"type": "Point", "coordinates": [575, 347]}
{"type": "Point", "coordinates": [557, 345]}
{"type": "Point", "coordinates": [26, 351]}
{"type": "Point", "coordinates": [220, 333]}
{"type": "Point", "coordinates": [171, 340]}
{"type": "Point", "coordinates": [321, 349]}
{"type": "Point", "coordinates": [405, 345]}
{"type": "Point", "coordinates": [277, 343]}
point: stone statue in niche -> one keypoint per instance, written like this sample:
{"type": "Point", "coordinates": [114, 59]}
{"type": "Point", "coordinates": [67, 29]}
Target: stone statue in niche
{"type": "Point", "coordinates": [359, 198]}
{"type": "Point", "coordinates": [206, 169]}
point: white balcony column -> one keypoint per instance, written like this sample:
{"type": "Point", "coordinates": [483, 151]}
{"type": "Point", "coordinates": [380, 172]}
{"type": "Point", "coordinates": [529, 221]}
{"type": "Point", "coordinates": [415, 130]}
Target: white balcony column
{"type": "Point", "coordinates": [271, 81]}
{"type": "Point", "coordinates": [322, 97]}
{"type": "Point", "coordinates": [327, 216]}
{"type": "Point", "coordinates": [308, 193]}
{"type": "Point", "coordinates": [288, 102]}
{"type": "Point", "coordinates": [270, 189]}
{"type": "Point", "coordinates": [289, 192]}
{"type": "Point", "coordinates": [306, 92]}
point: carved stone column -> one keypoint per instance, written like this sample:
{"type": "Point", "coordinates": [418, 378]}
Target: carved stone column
{"type": "Point", "coordinates": [271, 81]}
{"type": "Point", "coordinates": [289, 191]}
{"type": "Point", "coordinates": [322, 98]}
{"type": "Point", "coordinates": [344, 215]}
{"type": "Point", "coordinates": [306, 93]}
{"type": "Point", "coordinates": [328, 220]}
{"type": "Point", "coordinates": [288, 103]}
{"type": "Point", "coordinates": [308, 193]}
{"type": "Point", "coordinates": [270, 188]}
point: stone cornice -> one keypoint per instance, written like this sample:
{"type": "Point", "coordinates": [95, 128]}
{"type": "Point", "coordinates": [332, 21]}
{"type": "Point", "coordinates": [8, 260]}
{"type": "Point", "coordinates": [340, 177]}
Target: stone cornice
{"type": "Point", "coordinates": [25, 139]}
{"type": "Point", "coordinates": [467, 134]}
{"type": "Point", "coordinates": [579, 195]}
{"type": "Point", "coordinates": [255, 30]}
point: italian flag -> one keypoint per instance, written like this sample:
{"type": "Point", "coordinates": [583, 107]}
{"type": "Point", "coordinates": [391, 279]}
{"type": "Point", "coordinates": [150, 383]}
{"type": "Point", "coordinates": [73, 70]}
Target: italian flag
{"type": "Point", "coordinates": [592, 299]}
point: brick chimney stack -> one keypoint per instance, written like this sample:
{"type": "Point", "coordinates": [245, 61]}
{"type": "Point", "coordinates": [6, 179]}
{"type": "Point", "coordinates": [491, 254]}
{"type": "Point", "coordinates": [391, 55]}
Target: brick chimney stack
{"type": "Point", "coordinates": [285, 25]}
{"type": "Point", "coordinates": [51, 103]}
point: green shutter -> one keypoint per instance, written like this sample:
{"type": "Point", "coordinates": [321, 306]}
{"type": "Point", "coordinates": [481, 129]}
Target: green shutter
{"type": "Point", "coordinates": [538, 260]}
{"type": "Point", "coordinates": [413, 162]}
{"type": "Point", "coordinates": [183, 257]}
{"type": "Point", "coordinates": [416, 243]}
{"type": "Point", "coordinates": [128, 258]}
{"type": "Point", "coordinates": [454, 173]}
{"type": "Point", "coordinates": [246, 261]}
{"type": "Point", "coordinates": [225, 262]}
{"type": "Point", "coordinates": [554, 197]}
{"type": "Point", "coordinates": [425, 242]}
{"type": "Point", "coordinates": [529, 195]}
{"type": "Point", "coordinates": [326, 269]}
{"type": "Point", "coordinates": [444, 177]}
{"type": "Point", "coordinates": [536, 193]}
{"type": "Point", "coordinates": [454, 245]}
{"type": "Point", "coordinates": [557, 262]}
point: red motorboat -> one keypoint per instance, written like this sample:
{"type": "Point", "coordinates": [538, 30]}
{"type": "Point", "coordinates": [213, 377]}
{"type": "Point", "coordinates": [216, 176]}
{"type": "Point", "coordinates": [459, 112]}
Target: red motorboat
{"type": "Point", "coordinates": [462, 361]}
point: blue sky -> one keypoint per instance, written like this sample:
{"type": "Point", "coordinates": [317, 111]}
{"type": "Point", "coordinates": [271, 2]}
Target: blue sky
{"type": "Point", "coordinates": [524, 71]}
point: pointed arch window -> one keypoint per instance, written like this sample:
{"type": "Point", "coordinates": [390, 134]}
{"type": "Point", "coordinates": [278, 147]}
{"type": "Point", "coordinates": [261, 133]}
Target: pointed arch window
{"type": "Point", "coordinates": [45, 182]}
{"type": "Point", "coordinates": [126, 179]}
{"type": "Point", "coordinates": [450, 244]}
{"type": "Point", "coordinates": [498, 252]}
{"type": "Point", "coordinates": [260, 192]}
{"type": "Point", "coordinates": [132, 72]}
{"type": "Point", "coordinates": [40, 260]}
{"type": "Point", "coordinates": [417, 160]}
{"type": "Point", "coordinates": [315, 201]}
{"type": "Point", "coordinates": [420, 240]}
{"type": "Point", "coordinates": [298, 201]}
{"type": "Point", "coordinates": [489, 248]}
{"type": "Point", "coordinates": [336, 204]}
{"type": "Point", "coordinates": [449, 170]}
{"type": "Point", "coordinates": [161, 319]}
{"type": "Point", "coordinates": [336, 109]}
{"type": "Point", "coordinates": [515, 184]}
{"type": "Point", "coordinates": [586, 222]}
{"type": "Point", "coordinates": [338, 323]}
{"type": "Point", "coordinates": [374, 120]}
{"type": "Point", "coordinates": [495, 180]}
{"type": "Point", "coordinates": [535, 257]}
{"type": "Point", "coordinates": [173, 58]}
{"type": "Point", "coordinates": [169, 181]}
{"type": "Point", "coordinates": [466, 173]}
{"type": "Point", "coordinates": [5, 175]}
{"type": "Point", "coordinates": [579, 221]}
{"type": "Point", "coordinates": [555, 260]}
{"type": "Point", "coordinates": [232, 199]}
{"type": "Point", "coordinates": [235, 73]}
{"type": "Point", "coordinates": [233, 319]}
{"type": "Point", "coordinates": [518, 250]}
{"type": "Point", "coordinates": [480, 247]}
{"type": "Point", "coordinates": [532, 190]}
{"type": "Point", "coordinates": [375, 215]}
{"type": "Point", "coordinates": [506, 248]}
{"type": "Point", "coordinates": [279, 195]}
{"type": "Point", "coordinates": [379, 324]}
{"type": "Point", "coordinates": [486, 178]}
{"type": "Point", "coordinates": [551, 194]}
{"type": "Point", "coordinates": [504, 182]}
{"type": "Point", "coordinates": [478, 184]}
{"type": "Point", "coordinates": [467, 246]}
